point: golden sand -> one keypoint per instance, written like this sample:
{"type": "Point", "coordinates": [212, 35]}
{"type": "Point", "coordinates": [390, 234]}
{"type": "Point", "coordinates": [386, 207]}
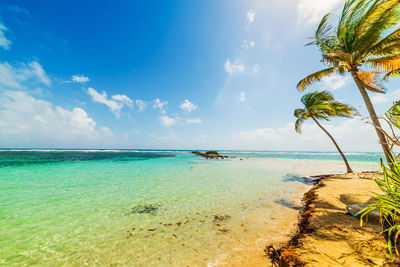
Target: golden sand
{"type": "Point", "coordinates": [337, 238]}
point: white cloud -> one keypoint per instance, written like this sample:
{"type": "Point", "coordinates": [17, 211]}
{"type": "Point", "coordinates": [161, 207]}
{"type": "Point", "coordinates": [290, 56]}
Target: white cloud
{"type": "Point", "coordinates": [312, 11]}
{"type": "Point", "coordinates": [80, 78]}
{"type": "Point", "coordinates": [196, 120]}
{"type": "Point", "coordinates": [188, 106]}
{"type": "Point", "coordinates": [36, 70]}
{"type": "Point", "coordinates": [388, 97]}
{"type": "Point", "coordinates": [334, 82]}
{"type": "Point", "coordinates": [114, 106]}
{"type": "Point", "coordinates": [246, 44]}
{"type": "Point", "coordinates": [242, 97]}
{"type": "Point", "coordinates": [9, 76]}
{"type": "Point", "coordinates": [256, 69]}
{"type": "Point", "coordinates": [4, 42]}
{"type": "Point", "coordinates": [25, 119]}
{"type": "Point", "coordinates": [312, 137]}
{"type": "Point", "coordinates": [106, 131]}
{"type": "Point", "coordinates": [124, 99]}
{"type": "Point", "coordinates": [235, 67]}
{"type": "Point", "coordinates": [141, 104]}
{"type": "Point", "coordinates": [251, 16]}
{"type": "Point", "coordinates": [167, 121]}
{"type": "Point", "coordinates": [14, 77]}
{"type": "Point", "coordinates": [158, 104]}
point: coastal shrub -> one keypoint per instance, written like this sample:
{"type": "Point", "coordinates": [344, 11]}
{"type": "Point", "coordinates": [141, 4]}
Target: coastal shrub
{"type": "Point", "coordinates": [212, 152]}
{"type": "Point", "coordinates": [393, 114]}
{"type": "Point", "coordinates": [388, 202]}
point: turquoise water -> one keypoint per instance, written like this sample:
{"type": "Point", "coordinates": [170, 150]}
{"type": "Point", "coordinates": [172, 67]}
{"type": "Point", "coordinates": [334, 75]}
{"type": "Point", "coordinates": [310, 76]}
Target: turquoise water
{"type": "Point", "coordinates": [137, 208]}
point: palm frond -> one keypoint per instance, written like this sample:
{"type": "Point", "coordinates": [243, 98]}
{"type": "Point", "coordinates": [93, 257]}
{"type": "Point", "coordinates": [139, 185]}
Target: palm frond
{"type": "Point", "coordinates": [316, 98]}
{"type": "Point", "coordinates": [316, 76]}
{"type": "Point", "coordinates": [393, 73]}
{"type": "Point", "coordinates": [371, 81]}
{"type": "Point", "coordinates": [297, 125]}
{"type": "Point", "coordinates": [298, 113]}
{"type": "Point", "coordinates": [323, 37]}
{"type": "Point", "coordinates": [342, 110]}
{"type": "Point", "coordinates": [350, 20]}
{"type": "Point", "coordinates": [338, 58]}
{"type": "Point", "coordinates": [386, 64]}
{"type": "Point", "coordinates": [388, 45]}
{"type": "Point", "coordinates": [321, 116]}
{"type": "Point", "coordinates": [381, 16]}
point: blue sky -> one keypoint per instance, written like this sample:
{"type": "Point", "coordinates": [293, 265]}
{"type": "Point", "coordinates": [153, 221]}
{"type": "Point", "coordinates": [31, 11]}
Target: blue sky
{"type": "Point", "coordinates": [167, 74]}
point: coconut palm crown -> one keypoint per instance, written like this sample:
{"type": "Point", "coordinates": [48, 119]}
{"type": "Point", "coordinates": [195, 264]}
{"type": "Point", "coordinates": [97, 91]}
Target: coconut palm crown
{"type": "Point", "coordinates": [321, 105]}
{"type": "Point", "coordinates": [366, 43]}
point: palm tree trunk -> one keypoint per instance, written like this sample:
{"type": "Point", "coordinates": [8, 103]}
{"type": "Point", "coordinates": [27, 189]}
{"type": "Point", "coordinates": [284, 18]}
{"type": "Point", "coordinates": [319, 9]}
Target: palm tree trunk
{"type": "Point", "coordinates": [349, 170]}
{"type": "Point", "coordinates": [374, 118]}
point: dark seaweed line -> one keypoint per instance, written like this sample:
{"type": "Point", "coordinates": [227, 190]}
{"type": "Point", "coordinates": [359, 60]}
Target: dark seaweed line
{"type": "Point", "coordinates": [288, 255]}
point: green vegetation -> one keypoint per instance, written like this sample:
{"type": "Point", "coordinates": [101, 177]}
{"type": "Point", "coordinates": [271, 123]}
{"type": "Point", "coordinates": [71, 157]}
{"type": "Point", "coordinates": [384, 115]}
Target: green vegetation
{"type": "Point", "coordinates": [388, 203]}
{"type": "Point", "coordinates": [364, 44]}
{"type": "Point", "coordinates": [321, 105]}
{"type": "Point", "coordinates": [212, 152]}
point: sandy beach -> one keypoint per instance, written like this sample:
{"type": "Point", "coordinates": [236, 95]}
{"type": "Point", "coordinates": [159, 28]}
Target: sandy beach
{"type": "Point", "coordinates": [336, 238]}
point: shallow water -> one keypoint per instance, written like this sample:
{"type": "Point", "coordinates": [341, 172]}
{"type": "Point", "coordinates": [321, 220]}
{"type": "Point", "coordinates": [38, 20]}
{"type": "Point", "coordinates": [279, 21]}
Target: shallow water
{"type": "Point", "coordinates": [151, 208]}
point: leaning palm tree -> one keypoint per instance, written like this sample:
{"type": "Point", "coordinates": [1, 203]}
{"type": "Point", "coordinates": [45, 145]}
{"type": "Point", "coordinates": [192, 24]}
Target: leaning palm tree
{"type": "Point", "coordinates": [321, 105]}
{"type": "Point", "coordinates": [365, 43]}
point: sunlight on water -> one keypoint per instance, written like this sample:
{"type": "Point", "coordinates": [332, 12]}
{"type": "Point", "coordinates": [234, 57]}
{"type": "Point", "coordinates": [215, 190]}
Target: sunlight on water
{"type": "Point", "coordinates": [151, 208]}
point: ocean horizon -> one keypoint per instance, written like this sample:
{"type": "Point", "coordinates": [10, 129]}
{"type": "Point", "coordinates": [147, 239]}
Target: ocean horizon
{"type": "Point", "coordinates": [153, 207]}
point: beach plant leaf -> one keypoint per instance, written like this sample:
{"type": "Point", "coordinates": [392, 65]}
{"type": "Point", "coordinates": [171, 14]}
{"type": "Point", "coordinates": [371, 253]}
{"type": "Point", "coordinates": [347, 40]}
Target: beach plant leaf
{"type": "Point", "coordinates": [393, 114]}
{"type": "Point", "coordinates": [388, 203]}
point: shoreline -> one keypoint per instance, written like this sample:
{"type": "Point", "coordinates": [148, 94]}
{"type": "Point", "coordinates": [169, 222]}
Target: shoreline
{"type": "Point", "coordinates": [326, 235]}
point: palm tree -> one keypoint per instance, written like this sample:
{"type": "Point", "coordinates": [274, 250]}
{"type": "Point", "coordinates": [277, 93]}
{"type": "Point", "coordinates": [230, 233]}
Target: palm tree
{"type": "Point", "coordinates": [321, 105]}
{"type": "Point", "coordinates": [365, 44]}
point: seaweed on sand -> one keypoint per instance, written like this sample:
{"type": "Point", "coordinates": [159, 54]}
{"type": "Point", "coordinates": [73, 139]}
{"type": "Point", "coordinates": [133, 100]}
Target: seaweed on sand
{"type": "Point", "coordinates": [145, 209]}
{"type": "Point", "coordinates": [288, 255]}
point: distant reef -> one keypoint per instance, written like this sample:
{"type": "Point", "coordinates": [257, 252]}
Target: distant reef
{"type": "Point", "coordinates": [210, 155]}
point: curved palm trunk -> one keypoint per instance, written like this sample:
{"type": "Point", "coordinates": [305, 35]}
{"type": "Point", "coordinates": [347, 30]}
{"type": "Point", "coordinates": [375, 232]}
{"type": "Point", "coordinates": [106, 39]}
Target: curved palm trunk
{"type": "Point", "coordinates": [374, 118]}
{"type": "Point", "coordinates": [349, 170]}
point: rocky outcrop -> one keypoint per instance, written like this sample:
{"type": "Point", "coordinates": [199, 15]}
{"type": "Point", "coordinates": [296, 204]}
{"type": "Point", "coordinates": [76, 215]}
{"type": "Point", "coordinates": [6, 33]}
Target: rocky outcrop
{"type": "Point", "coordinates": [210, 155]}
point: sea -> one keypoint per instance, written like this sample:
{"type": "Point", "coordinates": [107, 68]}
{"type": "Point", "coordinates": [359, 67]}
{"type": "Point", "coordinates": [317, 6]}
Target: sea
{"type": "Point", "coordinates": [154, 207]}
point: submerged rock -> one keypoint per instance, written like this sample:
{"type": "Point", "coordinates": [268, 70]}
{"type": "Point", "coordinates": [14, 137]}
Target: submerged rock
{"type": "Point", "coordinates": [145, 208]}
